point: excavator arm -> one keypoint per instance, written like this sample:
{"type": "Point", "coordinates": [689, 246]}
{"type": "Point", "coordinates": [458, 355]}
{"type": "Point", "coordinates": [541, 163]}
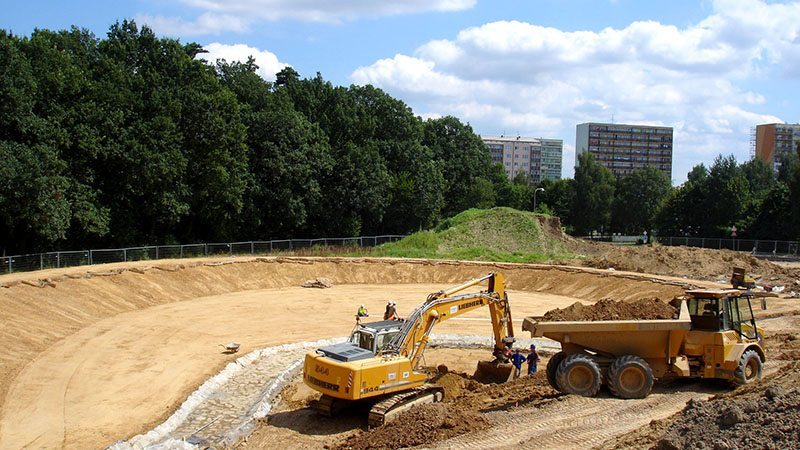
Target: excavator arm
{"type": "Point", "coordinates": [447, 304]}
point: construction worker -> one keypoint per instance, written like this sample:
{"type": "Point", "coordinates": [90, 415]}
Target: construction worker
{"type": "Point", "coordinates": [391, 311]}
{"type": "Point", "coordinates": [517, 360]}
{"type": "Point", "coordinates": [533, 360]}
{"type": "Point", "coordinates": [362, 311]}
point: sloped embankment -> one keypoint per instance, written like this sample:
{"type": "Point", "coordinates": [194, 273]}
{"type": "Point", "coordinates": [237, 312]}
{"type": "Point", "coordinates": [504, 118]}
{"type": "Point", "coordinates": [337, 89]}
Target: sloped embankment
{"type": "Point", "coordinates": [497, 234]}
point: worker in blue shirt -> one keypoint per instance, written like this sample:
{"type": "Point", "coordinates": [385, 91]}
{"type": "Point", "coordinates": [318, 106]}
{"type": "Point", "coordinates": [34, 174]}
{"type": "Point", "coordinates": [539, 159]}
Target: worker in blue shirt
{"type": "Point", "coordinates": [517, 361]}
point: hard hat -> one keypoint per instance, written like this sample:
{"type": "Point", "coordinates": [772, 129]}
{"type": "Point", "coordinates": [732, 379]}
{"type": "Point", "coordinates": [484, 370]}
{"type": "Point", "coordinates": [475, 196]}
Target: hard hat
{"type": "Point", "coordinates": [533, 346]}
{"type": "Point", "coordinates": [362, 305]}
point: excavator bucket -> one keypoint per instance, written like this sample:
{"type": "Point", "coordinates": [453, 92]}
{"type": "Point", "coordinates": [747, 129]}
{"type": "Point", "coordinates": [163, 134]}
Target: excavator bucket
{"type": "Point", "coordinates": [493, 372]}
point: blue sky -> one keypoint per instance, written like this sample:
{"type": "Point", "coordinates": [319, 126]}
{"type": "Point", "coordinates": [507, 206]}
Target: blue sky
{"type": "Point", "coordinates": [712, 69]}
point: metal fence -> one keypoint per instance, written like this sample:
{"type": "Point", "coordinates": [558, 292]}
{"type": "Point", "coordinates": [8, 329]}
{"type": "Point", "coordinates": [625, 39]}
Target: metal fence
{"type": "Point", "coordinates": [39, 261]}
{"type": "Point", "coordinates": [757, 247]}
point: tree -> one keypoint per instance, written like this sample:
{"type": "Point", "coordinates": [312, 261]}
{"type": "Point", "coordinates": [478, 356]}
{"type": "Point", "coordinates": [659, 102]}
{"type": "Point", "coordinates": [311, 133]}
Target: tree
{"type": "Point", "coordinates": [729, 195]}
{"type": "Point", "coordinates": [594, 195]}
{"type": "Point", "coordinates": [558, 195]}
{"type": "Point", "coordinates": [637, 199]}
{"type": "Point", "coordinates": [466, 164]}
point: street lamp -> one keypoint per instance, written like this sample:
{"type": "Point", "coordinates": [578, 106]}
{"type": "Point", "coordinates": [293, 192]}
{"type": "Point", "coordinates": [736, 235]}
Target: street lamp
{"type": "Point", "coordinates": [534, 197]}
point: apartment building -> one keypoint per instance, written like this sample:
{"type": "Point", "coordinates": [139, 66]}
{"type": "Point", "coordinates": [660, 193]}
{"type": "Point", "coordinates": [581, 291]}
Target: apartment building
{"type": "Point", "coordinates": [776, 140]}
{"type": "Point", "coordinates": [625, 148]}
{"type": "Point", "coordinates": [539, 158]}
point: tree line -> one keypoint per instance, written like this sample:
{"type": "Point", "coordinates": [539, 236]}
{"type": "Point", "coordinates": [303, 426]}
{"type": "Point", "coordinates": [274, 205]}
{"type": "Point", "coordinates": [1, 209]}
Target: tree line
{"type": "Point", "coordinates": [760, 203]}
{"type": "Point", "coordinates": [131, 140]}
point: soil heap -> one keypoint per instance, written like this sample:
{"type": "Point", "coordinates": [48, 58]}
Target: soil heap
{"type": "Point", "coordinates": [497, 234]}
{"type": "Point", "coordinates": [690, 262]}
{"type": "Point", "coordinates": [608, 309]}
{"type": "Point", "coordinates": [465, 399]}
{"type": "Point", "coordinates": [763, 416]}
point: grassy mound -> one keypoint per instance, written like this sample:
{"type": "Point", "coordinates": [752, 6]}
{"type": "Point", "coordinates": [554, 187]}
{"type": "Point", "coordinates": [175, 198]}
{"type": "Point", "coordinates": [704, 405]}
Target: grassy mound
{"type": "Point", "coordinates": [497, 234]}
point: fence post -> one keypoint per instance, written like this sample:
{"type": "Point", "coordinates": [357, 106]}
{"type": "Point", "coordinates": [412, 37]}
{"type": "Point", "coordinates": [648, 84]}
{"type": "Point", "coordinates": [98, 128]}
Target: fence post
{"type": "Point", "coordinates": [703, 242]}
{"type": "Point", "coordinates": [10, 266]}
{"type": "Point", "coordinates": [270, 246]}
{"type": "Point", "coordinates": [205, 249]}
{"type": "Point", "coordinates": [775, 249]}
{"type": "Point", "coordinates": [58, 260]}
{"type": "Point", "coordinates": [230, 249]}
{"type": "Point", "coordinates": [290, 244]}
{"type": "Point", "coordinates": [91, 257]}
{"type": "Point", "coordinates": [252, 248]}
{"type": "Point", "coordinates": [156, 252]}
{"type": "Point", "coordinates": [125, 254]}
{"type": "Point", "coordinates": [41, 261]}
{"type": "Point", "coordinates": [181, 251]}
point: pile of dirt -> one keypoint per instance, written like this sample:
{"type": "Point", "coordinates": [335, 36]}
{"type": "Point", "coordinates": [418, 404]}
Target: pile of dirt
{"type": "Point", "coordinates": [608, 309]}
{"type": "Point", "coordinates": [783, 346]}
{"type": "Point", "coordinates": [319, 283]}
{"type": "Point", "coordinates": [768, 418]}
{"type": "Point", "coordinates": [418, 426]}
{"type": "Point", "coordinates": [465, 400]}
{"type": "Point", "coordinates": [689, 262]}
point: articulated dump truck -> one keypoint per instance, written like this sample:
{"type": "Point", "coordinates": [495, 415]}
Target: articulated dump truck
{"type": "Point", "coordinates": [714, 336]}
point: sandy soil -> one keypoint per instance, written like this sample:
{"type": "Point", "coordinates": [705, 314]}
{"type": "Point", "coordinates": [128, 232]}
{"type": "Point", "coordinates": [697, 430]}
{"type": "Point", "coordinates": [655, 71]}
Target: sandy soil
{"type": "Point", "coordinates": [90, 358]}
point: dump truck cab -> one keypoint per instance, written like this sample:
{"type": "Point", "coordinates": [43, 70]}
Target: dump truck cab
{"type": "Point", "coordinates": [724, 341]}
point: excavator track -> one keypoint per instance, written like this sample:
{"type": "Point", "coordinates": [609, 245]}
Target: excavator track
{"type": "Point", "coordinates": [387, 408]}
{"type": "Point", "coordinates": [328, 406]}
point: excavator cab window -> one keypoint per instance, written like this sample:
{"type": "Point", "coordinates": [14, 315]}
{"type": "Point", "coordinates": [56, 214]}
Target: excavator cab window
{"type": "Point", "coordinates": [364, 339]}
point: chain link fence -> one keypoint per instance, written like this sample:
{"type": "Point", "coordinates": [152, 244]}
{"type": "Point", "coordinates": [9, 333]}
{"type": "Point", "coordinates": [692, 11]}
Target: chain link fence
{"type": "Point", "coordinates": [758, 247]}
{"type": "Point", "coordinates": [39, 261]}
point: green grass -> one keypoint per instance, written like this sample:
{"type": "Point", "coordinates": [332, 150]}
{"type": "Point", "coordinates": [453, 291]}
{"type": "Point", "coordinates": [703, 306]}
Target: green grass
{"type": "Point", "coordinates": [498, 234]}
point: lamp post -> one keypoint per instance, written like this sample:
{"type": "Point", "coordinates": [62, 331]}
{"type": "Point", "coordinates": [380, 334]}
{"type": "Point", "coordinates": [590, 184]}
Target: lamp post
{"type": "Point", "coordinates": [534, 197]}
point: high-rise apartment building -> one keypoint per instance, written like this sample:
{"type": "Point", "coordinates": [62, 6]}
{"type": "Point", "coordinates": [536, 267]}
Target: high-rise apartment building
{"type": "Point", "coordinates": [538, 158]}
{"type": "Point", "coordinates": [626, 148]}
{"type": "Point", "coordinates": [776, 140]}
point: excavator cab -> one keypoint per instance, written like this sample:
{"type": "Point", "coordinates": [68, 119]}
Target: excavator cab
{"type": "Point", "coordinates": [375, 336]}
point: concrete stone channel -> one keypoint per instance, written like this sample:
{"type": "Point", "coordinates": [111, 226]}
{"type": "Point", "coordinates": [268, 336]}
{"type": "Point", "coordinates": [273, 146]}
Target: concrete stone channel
{"type": "Point", "coordinates": [227, 406]}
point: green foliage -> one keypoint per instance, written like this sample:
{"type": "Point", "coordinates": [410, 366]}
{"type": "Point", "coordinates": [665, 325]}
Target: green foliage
{"type": "Point", "coordinates": [638, 197]}
{"type": "Point", "coordinates": [594, 195]}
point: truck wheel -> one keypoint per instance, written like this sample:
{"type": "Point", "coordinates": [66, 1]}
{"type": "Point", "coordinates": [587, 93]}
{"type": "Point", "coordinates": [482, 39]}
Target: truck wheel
{"type": "Point", "coordinates": [578, 374]}
{"type": "Point", "coordinates": [749, 368]}
{"type": "Point", "coordinates": [630, 377]}
{"type": "Point", "coordinates": [552, 367]}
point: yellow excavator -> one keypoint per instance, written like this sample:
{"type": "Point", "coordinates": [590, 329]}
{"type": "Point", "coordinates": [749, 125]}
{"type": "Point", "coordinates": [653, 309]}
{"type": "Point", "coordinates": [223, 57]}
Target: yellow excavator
{"type": "Point", "coordinates": [382, 361]}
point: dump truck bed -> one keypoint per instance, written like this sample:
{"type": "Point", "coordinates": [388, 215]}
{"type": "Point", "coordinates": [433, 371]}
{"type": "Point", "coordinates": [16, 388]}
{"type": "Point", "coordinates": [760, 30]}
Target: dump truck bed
{"type": "Point", "coordinates": [644, 338]}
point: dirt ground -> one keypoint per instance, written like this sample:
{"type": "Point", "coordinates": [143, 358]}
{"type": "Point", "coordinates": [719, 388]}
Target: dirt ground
{"type": "Point", "coordinates": [91, 356]}
{"type": "Point", "coordinates": [691, 262]}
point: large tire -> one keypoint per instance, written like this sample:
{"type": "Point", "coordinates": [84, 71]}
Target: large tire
{"type": "Point", "coordinates": [580, 375]}
{"type": "Point", "coordinates": [630, 377]}
{"type": "Point", "coordinates": [552, 367]}
{"type": "Point", "coordinates": [749, 368]}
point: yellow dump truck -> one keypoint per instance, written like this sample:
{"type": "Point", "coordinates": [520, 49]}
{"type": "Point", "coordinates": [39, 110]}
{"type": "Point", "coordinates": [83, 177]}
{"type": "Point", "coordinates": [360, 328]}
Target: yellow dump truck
{"type": "Point", "coordinates": [714, 336]}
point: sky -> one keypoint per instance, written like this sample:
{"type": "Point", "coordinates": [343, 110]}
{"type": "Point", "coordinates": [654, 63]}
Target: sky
{"type": "Point", "coordinates": [711, 69]}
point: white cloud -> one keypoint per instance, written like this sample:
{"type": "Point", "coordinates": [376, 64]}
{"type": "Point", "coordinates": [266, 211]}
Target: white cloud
{"type": "Point", "coordinates": [268, 63]}
{"type": "Point", "coordinates": [239, 15]}
{"type": "Point", "coordinates": [204, 24]}
{"type": "Point", "coordinates": [542, 81]}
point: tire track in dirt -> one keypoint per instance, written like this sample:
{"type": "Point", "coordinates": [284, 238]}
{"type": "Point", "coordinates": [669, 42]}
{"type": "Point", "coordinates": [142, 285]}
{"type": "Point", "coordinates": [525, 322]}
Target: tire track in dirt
{"type": "Point", "coordinates": [582, 422]}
